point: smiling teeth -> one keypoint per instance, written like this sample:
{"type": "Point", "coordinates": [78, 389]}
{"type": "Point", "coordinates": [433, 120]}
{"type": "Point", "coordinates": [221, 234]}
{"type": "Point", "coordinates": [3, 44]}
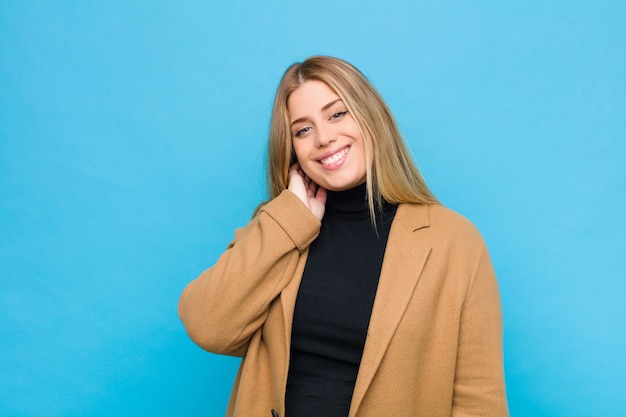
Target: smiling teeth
{"type": "Point", "coordinates": [336, 157]}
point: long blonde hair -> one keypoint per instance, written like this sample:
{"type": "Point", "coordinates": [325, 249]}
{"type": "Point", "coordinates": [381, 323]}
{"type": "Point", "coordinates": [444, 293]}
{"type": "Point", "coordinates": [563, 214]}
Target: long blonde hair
{"type": "Point", "coordinates": [392, 176]}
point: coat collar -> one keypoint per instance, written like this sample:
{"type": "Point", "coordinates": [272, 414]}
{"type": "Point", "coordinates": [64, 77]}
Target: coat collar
{"type": "Point", "coordinates": [405, 257]}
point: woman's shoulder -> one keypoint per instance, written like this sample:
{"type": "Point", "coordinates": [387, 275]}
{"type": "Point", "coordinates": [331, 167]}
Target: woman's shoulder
{"type": "Point", "coordinates": [440, 221]}
{"type": "Point", "coordinates": [445, 216]}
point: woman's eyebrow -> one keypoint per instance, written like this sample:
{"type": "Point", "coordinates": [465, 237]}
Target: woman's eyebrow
{"type": "Point", "coordinates": [324, 108]}
{"type": "Point", "coordinates": [327, 106]}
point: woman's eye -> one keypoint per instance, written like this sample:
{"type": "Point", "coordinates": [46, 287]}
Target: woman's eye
{"type": "Point", "coordinates": [302, 131]}
{"type": "Point", "coordinates": [339, 114]}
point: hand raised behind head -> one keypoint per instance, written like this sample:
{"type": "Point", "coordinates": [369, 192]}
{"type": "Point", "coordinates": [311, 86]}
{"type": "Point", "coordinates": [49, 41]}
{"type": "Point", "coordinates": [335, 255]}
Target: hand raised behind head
{"type": "Point", "coordinates": [312, 195]}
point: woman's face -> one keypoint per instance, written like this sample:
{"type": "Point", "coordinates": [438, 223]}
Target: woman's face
{"type": "Point", "coordinates": [326, 139]}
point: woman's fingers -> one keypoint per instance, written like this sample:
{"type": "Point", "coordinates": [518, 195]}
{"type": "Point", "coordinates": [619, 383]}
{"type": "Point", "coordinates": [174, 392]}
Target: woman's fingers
{"type": "Point", "coordinates": [312, 195]}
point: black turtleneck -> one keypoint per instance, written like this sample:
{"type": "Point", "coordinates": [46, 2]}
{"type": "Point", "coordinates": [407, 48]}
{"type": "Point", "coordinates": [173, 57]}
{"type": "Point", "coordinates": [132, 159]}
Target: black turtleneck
{"type": "Point", "coordinates": [334, 305]}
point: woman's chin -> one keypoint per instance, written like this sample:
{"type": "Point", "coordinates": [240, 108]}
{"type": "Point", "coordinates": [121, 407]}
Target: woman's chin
{"type": "Point", "coordinates": [343, 185]}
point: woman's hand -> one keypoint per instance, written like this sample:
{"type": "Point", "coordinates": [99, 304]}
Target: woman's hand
{"type": "Point", "coordinates": [312, 195]}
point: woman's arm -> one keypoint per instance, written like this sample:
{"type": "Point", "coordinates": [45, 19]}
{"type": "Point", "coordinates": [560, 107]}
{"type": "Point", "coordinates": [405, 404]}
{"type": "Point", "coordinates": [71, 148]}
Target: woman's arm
{"type": "Point", "coordinates": [479, 379]}
{"type": "Point", "coordinates": [228, 302]}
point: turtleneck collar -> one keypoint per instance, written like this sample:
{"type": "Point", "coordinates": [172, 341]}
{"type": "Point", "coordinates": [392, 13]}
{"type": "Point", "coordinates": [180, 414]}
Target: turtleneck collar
{"type": "Point", "coordinates": [352, 203]}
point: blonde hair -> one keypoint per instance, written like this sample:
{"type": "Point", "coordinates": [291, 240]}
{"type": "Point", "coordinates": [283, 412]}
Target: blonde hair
{"type": "Point", "coordinates": [392, 176]}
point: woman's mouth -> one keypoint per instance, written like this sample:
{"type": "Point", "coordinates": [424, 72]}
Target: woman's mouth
{"type": "Point", "coordinates": [336, 157]}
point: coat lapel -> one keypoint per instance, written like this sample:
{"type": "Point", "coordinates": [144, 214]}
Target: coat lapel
{"type": "Point", "coordinates": [404, 260]}
{"type": "Point", "coordinates": [290, 294]}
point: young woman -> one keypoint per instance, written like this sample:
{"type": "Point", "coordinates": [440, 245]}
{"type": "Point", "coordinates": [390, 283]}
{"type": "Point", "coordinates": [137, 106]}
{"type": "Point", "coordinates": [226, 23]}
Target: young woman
{"type": "Point", "coordinates": [352, 291]}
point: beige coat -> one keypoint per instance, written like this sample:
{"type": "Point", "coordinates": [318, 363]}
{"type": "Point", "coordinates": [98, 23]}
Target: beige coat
{"type": "Point", "coordinates": [434, 343]}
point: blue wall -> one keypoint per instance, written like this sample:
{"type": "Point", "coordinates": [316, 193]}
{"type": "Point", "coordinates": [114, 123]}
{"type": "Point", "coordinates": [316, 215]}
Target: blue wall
{"type": "Point", "coordinates": [132, 141]}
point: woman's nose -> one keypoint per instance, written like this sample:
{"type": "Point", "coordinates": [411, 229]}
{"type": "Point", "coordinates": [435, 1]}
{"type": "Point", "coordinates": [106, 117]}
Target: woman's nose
{"type": "Point", "coordinates": [324, 137]}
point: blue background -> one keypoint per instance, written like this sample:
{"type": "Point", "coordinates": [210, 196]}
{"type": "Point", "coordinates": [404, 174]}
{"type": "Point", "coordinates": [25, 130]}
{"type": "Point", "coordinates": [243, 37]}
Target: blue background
{"type": "Point", "coordinates": [132, 143]}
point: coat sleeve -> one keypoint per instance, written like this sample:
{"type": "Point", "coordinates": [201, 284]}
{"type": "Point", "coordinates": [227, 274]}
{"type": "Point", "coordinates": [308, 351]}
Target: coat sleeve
{"type": "Point", "coordinates": [479, 388]}
{"type": "Point", "coordinates": [228, 302]}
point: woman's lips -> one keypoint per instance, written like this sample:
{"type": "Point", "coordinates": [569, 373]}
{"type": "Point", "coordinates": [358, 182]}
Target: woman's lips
{"type": "Point", "coordinates": [336, 159]}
